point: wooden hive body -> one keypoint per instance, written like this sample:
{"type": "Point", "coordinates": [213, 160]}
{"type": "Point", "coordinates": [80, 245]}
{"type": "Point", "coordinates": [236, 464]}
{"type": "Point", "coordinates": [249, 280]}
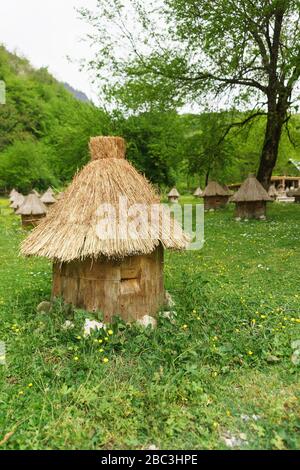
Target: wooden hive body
{"type": "Point", "coordinates": [131, 288]}
{"type": "Point", "coordinates": [215, 202]}
{"type": "Point", "coordinates": [250, 209]}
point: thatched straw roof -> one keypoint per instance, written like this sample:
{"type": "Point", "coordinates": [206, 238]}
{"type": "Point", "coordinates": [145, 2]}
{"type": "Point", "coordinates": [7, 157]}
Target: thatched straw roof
{"type": "Point", "coordinates": [60, 195]}
{"type": "Point", "coordinates": [34, 191]}
{"type": "Point", "coordinates": [250, 191]}
{"type": "Point", "coordinates": [48, 197]}
{"type": "Point", "coordinates": [215, 189]}
{"type": "Point", "coordinates": [12, 193]}
{"type": "Point", "coordinates": [69, 231]}
{"type": "Point", "coordinates": [14, 196]}
{"type": "Point", "coordinates": [32, 205]}
{"type": "Point", "coordinates": [198, 192]}
{"type": "Point", "coordinates": [50, 191]}
{"type": "Point", "coordinates": [173, 193]}
{"type": "Point", "coordinates": [272, 191]}
{"type": "Point", "coordinates": [17, 200]}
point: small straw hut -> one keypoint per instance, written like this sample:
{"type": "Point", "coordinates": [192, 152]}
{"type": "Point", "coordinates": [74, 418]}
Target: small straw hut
{"type": "Point", "coordinates": [12, 194]}
{"type": "Point", "coordinates": [273, 192]}
{"type": "Point", "coordinates": [296, 195]}
{"type": "Point", "coordinates": [17, 201]}
{"type": "Point", "coordinates": [48, 199]}
{"type": "Point", "coordinates": [198, 192]}
{"type": "Point", "coordinates": [117, 273]}
{"type": "Point", "coordinates": [173, 195]}
{"type": "Point", "coordinates": [32, 210]}
{"type": "Point", "coordinates": [251, 199]}
{"type": "Point", "coordinates": [215, 196]}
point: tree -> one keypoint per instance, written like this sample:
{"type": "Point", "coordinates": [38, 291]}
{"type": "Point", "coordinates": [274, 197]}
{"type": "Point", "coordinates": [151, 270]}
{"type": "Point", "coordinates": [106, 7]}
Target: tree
{"type": "Point", "coordinates": [26, 165]}
{"type": "Point", "coordinates": [154, 144]}
{"type": "Point", "coordinates": [207, 151]}
{"type": "Point", "coordinates": [178, 51]}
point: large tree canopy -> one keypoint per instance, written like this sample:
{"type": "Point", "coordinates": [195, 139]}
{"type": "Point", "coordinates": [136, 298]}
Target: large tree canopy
{"type": "Point", "coordinates": [198, 51]}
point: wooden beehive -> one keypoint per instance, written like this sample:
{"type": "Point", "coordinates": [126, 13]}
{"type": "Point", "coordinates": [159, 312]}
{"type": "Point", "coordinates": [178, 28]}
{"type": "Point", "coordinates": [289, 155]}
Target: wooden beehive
{"type": "Point", "coordinates": [251, 200]}
{"type": "Point", "coordinates": [215, 196]}
{"type": "Point", "coordinates": [115, 275]}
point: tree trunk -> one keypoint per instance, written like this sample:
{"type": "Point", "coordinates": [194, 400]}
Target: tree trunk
{"type": "Point", "coordinates": [275, 121]}
{"type": "Point", "coordinates": [207, 177]}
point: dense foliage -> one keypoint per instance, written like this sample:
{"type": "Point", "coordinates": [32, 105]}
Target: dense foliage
{"type": "Point", "coordinates": [44, 134]}
{"type": "Point", "coordinates": [44, 130]}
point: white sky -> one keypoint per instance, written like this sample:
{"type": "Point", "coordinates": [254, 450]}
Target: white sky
{"type": "Point", "coordinates": [46, 32]}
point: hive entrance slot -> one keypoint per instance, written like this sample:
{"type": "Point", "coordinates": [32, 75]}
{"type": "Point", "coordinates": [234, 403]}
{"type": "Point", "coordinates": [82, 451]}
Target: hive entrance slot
{"type": "Point", "coordinates": [130, 286]}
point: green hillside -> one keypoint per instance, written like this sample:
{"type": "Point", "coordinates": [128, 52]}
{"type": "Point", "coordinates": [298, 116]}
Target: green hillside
{"type": "Point", "coordinates": [44, 129]}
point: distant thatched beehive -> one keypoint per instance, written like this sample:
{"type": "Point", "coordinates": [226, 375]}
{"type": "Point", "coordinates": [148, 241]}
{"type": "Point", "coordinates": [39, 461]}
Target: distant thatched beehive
{"type": "Point", "coordinates": [251, 199]}
{"type": "Point", "coordinates": [296, 195]}
{"type": "Point", "coordinates": [118, 274]}
{"type": "Point", "coordinates": [215, 196]}
{"type": "Point", "coordinates": [198, 192]}
{"type": "Point", "coordinates": [273, 192]}
{"type": "Point", "coordinates": [173, 195]}
{"type": "Point", "coordinates": [12, 194]}
{"type": "Point", "coordinates": [32, 210]}
{"type": "Point", "coordinates": [17, 200]}
{"type": "Point", "coordinates": [48, 199]}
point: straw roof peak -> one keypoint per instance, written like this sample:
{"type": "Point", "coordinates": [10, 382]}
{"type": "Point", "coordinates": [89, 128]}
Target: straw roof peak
{"type": "Point", "coordinates": [32, 205]}
{"type": "Point", "coordinates": [251, 190]}
{"type": "Point", "coordinates": [215, 189]}
{"type": "Point", "coordinates": [173, 193]}
{"type": "Point", "coordinates": [107, 147]}
{"type": "Point", "coordinates": [48, 197]}
{"type": "Point", "coordinates": [198, 192]}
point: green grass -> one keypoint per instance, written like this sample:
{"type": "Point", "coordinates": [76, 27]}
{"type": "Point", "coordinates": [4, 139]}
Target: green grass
{"type": "Point", "coordinates": [186, 385]}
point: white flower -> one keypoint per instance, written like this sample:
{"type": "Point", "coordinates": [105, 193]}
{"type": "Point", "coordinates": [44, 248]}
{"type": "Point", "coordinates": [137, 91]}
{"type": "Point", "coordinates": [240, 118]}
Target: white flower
{"type": "Point", "coordinates": [147, 321]}
{"type": "Point", "coordinates": [68, 325]}
{"type": "Point", "coordinates": [92, 325]}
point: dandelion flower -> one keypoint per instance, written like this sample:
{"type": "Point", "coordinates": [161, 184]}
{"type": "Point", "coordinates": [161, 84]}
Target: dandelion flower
{"type": "Point", "coordinates": [105, 360]}
{"type": "Point", "coordinates": [110, 332]}
{"type": "Point", "coordinates": [76, 358]}
{"type": "Point", "coordinates": [250, 353]}
{"type": "Point", "coordinates": [30, 385]}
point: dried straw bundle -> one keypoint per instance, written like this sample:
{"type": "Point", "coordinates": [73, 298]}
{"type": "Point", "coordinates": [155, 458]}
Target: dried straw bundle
{"type": "Point", "coordinates": [250, 191]}
{"type": "Point", "coordinates": [69, 231]}
{"type": "Point", "coordinates": [215, 189]}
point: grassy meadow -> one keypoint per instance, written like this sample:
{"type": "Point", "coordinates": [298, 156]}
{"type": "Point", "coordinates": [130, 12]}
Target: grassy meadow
{"type": "Point", "coordinates": [219, 376]}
